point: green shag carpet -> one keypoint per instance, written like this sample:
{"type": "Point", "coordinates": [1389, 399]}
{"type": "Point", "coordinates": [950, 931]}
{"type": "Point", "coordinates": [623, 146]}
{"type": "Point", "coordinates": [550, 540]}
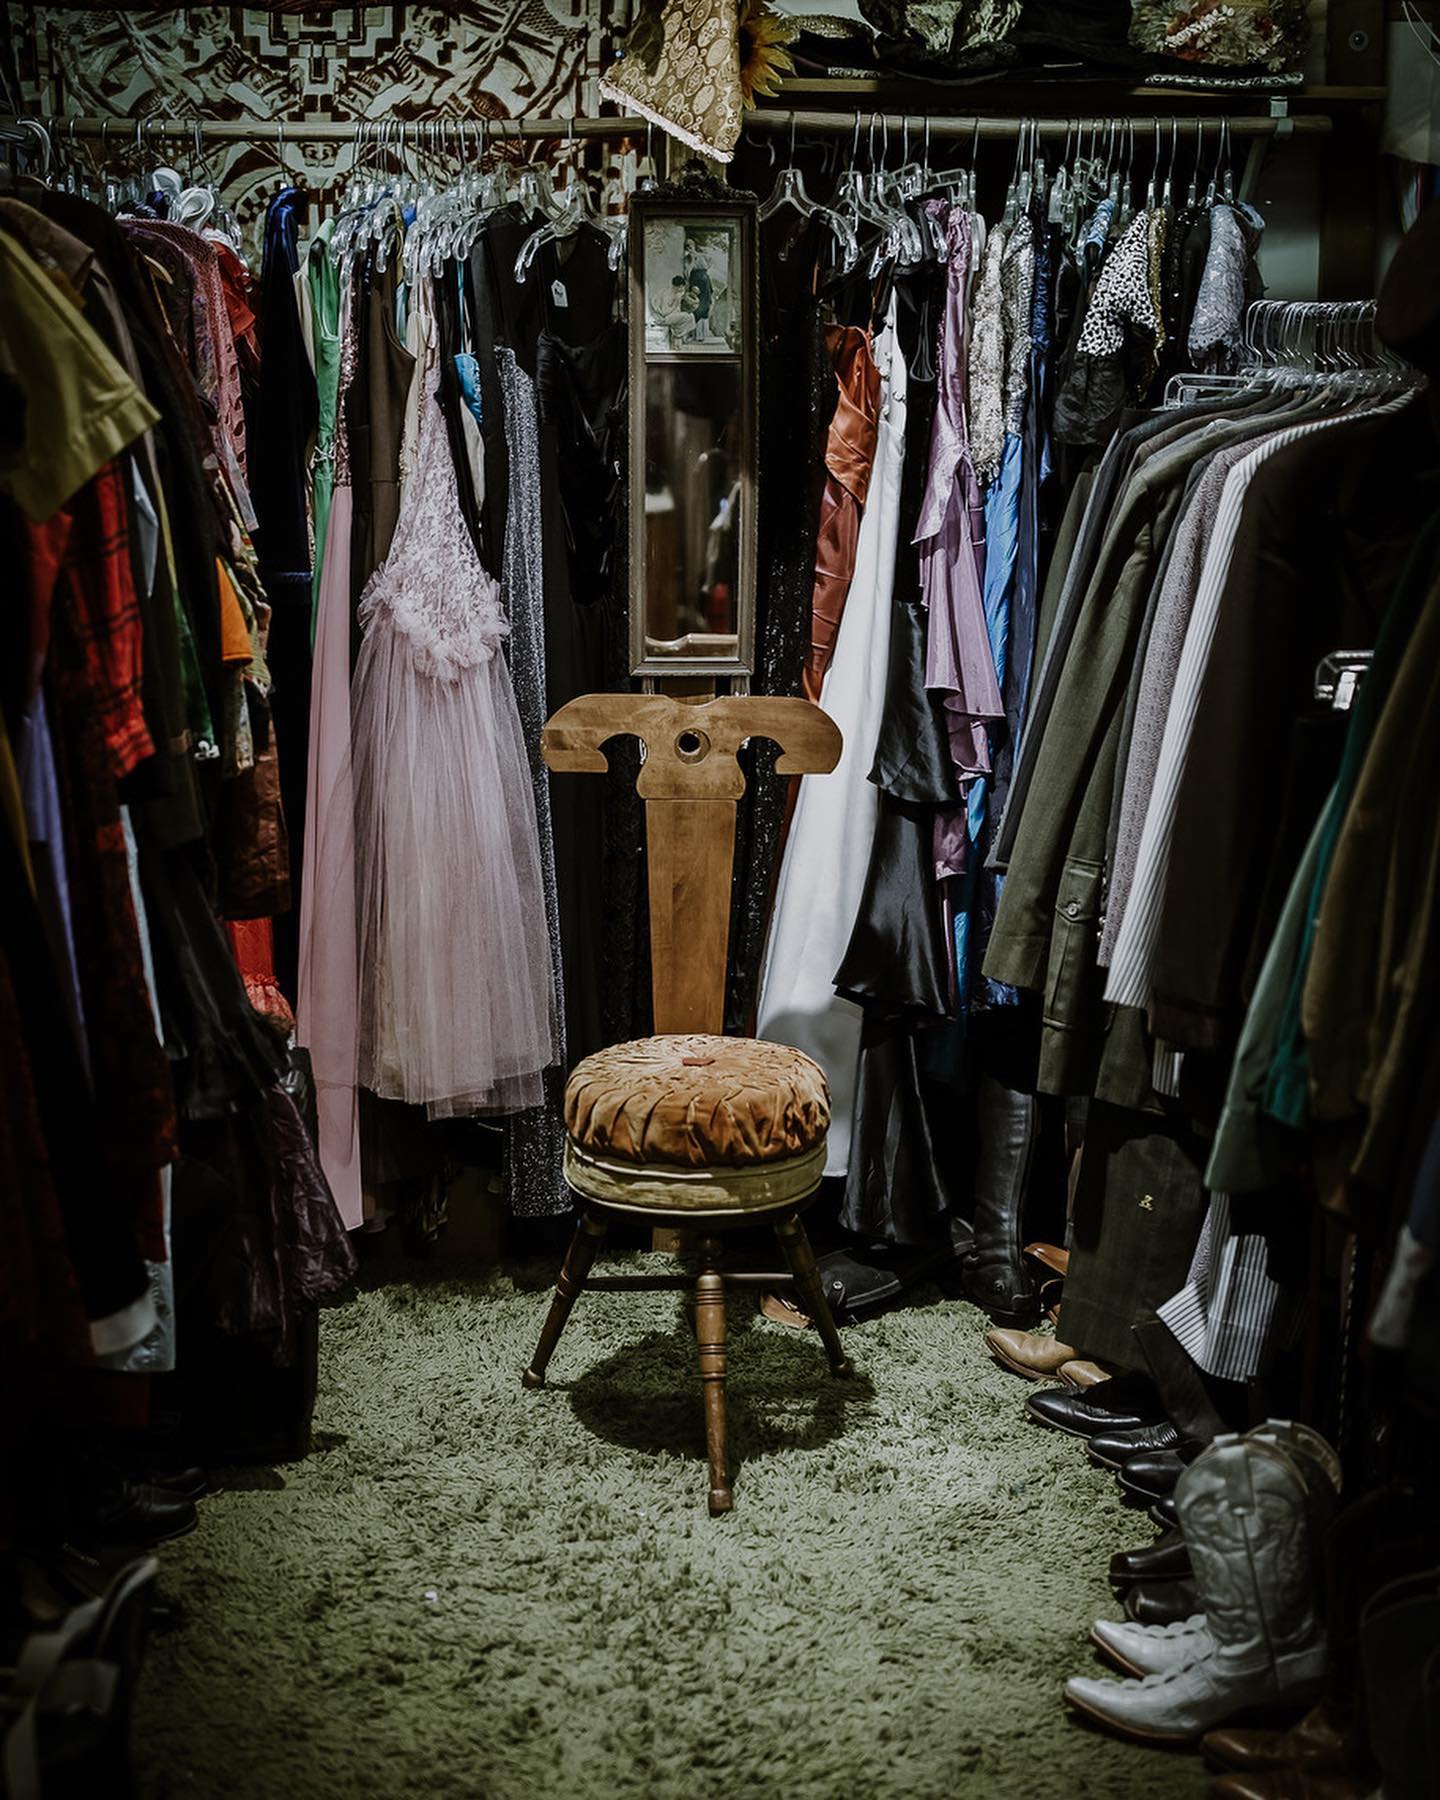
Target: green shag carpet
{"type": "Point", "coordinates": [472, 1592]}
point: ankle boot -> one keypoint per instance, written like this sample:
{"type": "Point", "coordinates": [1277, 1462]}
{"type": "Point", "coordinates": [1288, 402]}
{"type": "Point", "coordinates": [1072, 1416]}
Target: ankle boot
{"type": "Point", "coordinates": [995, 1274]}
{"type": "Point", "coordinates": [1245, 1510]}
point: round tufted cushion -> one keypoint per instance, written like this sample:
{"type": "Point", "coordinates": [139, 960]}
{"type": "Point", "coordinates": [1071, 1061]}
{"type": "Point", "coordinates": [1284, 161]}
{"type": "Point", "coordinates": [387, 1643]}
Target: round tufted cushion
{"type": "Point", "coordinates": [696, 1102]}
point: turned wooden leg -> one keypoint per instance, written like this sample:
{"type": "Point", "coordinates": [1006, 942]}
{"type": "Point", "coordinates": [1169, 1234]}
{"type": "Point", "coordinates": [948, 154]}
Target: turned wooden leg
{"type": "Point", "coordinates": [578, 1259]}
{"type": "Point", "coordinates": [809, 1287]}
{"type": "Point", "coordinates": [710, 1331]}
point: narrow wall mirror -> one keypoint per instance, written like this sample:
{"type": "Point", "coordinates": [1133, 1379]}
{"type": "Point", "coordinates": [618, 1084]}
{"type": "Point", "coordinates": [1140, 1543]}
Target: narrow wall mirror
{"type": "Point", "coordinates": [693, 325]}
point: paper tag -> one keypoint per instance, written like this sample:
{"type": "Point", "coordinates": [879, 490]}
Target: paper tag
{"type": "Point", "coordinates": [558, 294]}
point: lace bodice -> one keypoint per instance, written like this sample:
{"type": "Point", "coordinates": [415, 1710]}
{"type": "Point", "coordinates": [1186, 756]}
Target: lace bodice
{"type": "Point", "coordinates": [433, 586]}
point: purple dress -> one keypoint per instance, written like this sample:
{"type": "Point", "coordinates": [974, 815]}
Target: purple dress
{"type": "Point", "coordinates": [959, 666]}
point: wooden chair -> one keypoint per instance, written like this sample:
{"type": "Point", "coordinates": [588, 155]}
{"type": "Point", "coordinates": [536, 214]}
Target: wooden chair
{"type": "Point", "coordinates": [689, 1129]}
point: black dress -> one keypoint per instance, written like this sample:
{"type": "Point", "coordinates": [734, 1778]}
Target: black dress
{"type": "Point", "coordinates": [798, 393]}
{"type": "Point", "coordinates": [560, 324]}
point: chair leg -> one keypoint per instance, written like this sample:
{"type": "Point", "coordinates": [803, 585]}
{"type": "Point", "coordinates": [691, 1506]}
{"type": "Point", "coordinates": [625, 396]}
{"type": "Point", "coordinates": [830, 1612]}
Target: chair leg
{"type": "Point", "coordinates": [801, 1259]}
{"type": "Point", "coordinates": [578, 1260]}
{"type": "Point", "coordinates": [710, 1331]}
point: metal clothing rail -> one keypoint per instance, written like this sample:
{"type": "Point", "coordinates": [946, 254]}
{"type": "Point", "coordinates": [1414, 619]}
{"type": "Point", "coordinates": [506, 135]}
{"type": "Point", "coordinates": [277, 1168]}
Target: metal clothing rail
{"type": "Point", "coordinates": [442, 133]}
{"type": "Point", "coordinates": [971, 125]}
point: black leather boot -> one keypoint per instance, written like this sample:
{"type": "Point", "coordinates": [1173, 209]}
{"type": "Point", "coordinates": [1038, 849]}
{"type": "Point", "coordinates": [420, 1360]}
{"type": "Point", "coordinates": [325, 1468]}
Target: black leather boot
{"type": "Point", "coordinates": [996, 1276]}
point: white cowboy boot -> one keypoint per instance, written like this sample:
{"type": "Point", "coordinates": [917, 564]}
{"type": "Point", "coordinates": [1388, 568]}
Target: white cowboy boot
{"type": "Point", "coordinates": [1142, 1650]}
{"type": "Point", "coordinates": [1244, 1507]}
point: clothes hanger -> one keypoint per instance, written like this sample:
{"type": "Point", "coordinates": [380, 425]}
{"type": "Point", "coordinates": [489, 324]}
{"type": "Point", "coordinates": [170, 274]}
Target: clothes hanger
{"type": "Point", "coordinates": [1152, 187]}
{"type": "Point", "coordinates": [789, 190]}
{"type": "Point", "coordinates": [851, 200]}
{"type": "Point", "coordinates": [580, 211]}
{"type": "Point", "coordinates": [887, 198]}
{"type": "Point", "coordinates": [1167, 193]}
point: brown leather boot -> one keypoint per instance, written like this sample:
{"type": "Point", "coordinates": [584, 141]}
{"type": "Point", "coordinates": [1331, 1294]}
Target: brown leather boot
{"type": "Point", "coordinates": [1314, 1740]}
{"type": "Point", "coordinates": [1296, 1781]}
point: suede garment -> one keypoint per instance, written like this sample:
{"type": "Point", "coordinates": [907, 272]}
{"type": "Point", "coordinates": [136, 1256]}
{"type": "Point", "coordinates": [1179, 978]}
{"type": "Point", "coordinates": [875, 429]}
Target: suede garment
{"type": "Point", "coordinates": [695, 1101]}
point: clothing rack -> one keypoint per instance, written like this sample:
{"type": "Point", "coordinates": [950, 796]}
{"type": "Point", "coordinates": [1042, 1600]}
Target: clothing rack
{"type": "Point", "coordinates": [442, 132]}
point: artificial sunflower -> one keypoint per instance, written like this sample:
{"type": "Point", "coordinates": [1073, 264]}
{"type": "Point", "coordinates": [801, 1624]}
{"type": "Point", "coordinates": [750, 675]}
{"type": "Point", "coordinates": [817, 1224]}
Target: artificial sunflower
{"type": "Point", "coordinates": [764, 60]}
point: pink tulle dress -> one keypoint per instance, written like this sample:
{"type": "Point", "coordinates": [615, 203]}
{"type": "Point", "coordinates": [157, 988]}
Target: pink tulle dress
{"type": "Point", "coordinates": [456, 1008]}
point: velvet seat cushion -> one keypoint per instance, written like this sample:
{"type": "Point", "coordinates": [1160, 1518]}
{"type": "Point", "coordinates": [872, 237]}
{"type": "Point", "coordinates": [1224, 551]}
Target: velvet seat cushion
{"type": "Point", "coordinates": [694, 1101]}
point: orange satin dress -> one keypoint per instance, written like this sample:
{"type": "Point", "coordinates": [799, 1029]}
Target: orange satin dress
{"type": "Point", "coordinates": [849, 460]}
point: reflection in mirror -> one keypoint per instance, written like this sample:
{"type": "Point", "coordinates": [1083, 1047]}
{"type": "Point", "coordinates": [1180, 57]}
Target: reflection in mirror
{"type": "Point", "coordinates": [692, 508]}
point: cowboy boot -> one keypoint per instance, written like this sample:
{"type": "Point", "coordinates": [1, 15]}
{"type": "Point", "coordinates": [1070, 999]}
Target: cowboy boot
{"type": "Point", "coordinates": [1245, 1510]}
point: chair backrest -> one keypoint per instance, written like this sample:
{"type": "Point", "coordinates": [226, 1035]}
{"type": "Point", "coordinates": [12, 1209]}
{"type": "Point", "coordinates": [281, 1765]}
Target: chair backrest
{"type": "Point", "coordinates": [690, 782]}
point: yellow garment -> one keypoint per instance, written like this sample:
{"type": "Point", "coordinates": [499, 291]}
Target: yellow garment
{"type": "Point", "coordinates": [80, 407]}
{"type": "Point", "coordinates": [235, 646]}
{"type": "Point", "coordinates": [12, 807]}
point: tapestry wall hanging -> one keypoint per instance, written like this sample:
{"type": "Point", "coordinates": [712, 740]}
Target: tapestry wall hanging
{"type": "Point", "coordinates": [481, 59]}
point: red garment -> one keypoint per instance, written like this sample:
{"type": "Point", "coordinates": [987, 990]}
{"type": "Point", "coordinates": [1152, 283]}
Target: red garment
{"type": "Point", "coordinates": [253, 941]}
{"type": "Point", "coordinates": [849, 460]}
{"type": "Point", "coordinates": [86, 549]}
{"type": "Point", "coordinates": [236, 285]}
{"type": "Point", "coordinates": [92, 678]}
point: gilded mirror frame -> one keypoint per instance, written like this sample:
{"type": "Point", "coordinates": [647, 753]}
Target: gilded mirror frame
{"type": "Point", "coordinates": [696, 197]}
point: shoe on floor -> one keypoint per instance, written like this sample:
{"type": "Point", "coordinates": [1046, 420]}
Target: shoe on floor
{"type": "Point", "coordinates": [1296, 1781]}
{"type": "Point", "coordinates": [1141, 1650]}
{"type": "Point", "coordinates": [1115, 1405]}
{"type": "Point", "coordinates": [1083, 1374]}
{"type": "Point", "coordinates": [783, 1310]}
{"type": "Point", "coordinates": [1179, 1706]}
{"type": "Point", "coordinates": [1154, 1473]}
{"type": "Point", "coordinates": [1314, 1739]}
{"type": "Point", "coordinates": [1166, 1559]}
{"type": "Point", "coordinates": [1049, 1256]}
{"type": "Point", "coordinates": [135, 1514]}
{"type": "Point", "coordinates": [1027, 1353]}
{"type": "Point", "coordinates": [1162, 1602]}
{"type": "Point", "coordinates": [1113, 1449]}
{"type": "Point", "coordinates": [1164, 1514]}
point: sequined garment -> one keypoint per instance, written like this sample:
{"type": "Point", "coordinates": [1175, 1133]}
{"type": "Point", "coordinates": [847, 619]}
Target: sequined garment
{"type": "Point", "coordinates": [987, 364]}
{"type": "Point", "coordinates": [535, 1138]}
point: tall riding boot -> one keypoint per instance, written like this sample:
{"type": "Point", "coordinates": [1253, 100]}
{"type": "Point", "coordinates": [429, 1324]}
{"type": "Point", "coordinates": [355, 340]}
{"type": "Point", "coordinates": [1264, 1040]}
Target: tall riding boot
{"type": "Point", "coordinates": [1246, 1510]}
{"type": "Point", "coordinates": [995, 1274]}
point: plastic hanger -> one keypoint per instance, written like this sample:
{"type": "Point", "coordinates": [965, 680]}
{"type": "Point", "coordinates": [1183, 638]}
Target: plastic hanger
{"type": "Point", "coordinates": [789, 190]}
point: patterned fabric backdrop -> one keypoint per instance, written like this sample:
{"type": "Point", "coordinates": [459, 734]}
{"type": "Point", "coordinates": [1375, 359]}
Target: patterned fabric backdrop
{"type": "Point", "coordinates": [480, 59]}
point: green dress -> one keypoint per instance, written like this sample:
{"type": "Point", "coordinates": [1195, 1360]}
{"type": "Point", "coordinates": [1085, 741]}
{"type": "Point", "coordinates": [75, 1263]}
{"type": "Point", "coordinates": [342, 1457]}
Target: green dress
{"type": "Point", "coordinates": [324, 279]}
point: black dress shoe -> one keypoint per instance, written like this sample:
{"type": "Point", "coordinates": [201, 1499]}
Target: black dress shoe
{"type": "Point", "coordinates": [191, 1484]}
{"type": "Point", "coordinates": [1153, 1473]}
{"type": "Point", "coordinates": [1164, 1513]}
{"type": "Point", "coordinates": [133, 1514]}
{"type": "Point", "coordinates": [1161, 1602]}
{"type": "Point", "coordinates": [1113, 1449]}
{"type": "Point", "coordinates": [1166, 1559]}
{"type": "Point", "coordinates": [1120, 1404]}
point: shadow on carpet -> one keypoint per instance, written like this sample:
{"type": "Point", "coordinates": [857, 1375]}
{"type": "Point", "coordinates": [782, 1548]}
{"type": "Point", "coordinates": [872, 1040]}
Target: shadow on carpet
{"type": "Point", "coordinates": [473, 1592]}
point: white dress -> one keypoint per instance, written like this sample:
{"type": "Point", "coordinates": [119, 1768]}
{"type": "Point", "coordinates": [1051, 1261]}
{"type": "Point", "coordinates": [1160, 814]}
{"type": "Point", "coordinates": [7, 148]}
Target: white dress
{"type": "Point", "coordinates": [822, 874]}
{"type": "Point", "coordinates": [456, 996]}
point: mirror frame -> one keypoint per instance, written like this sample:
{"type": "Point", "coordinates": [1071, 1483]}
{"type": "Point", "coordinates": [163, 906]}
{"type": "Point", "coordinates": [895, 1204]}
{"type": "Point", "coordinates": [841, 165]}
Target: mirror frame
{"type": "Point", "coordinates": [695, 192]}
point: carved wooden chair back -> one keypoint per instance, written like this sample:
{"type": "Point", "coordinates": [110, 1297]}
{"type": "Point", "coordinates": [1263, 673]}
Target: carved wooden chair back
{"type": "Point", "coordinates": [690, 780]}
